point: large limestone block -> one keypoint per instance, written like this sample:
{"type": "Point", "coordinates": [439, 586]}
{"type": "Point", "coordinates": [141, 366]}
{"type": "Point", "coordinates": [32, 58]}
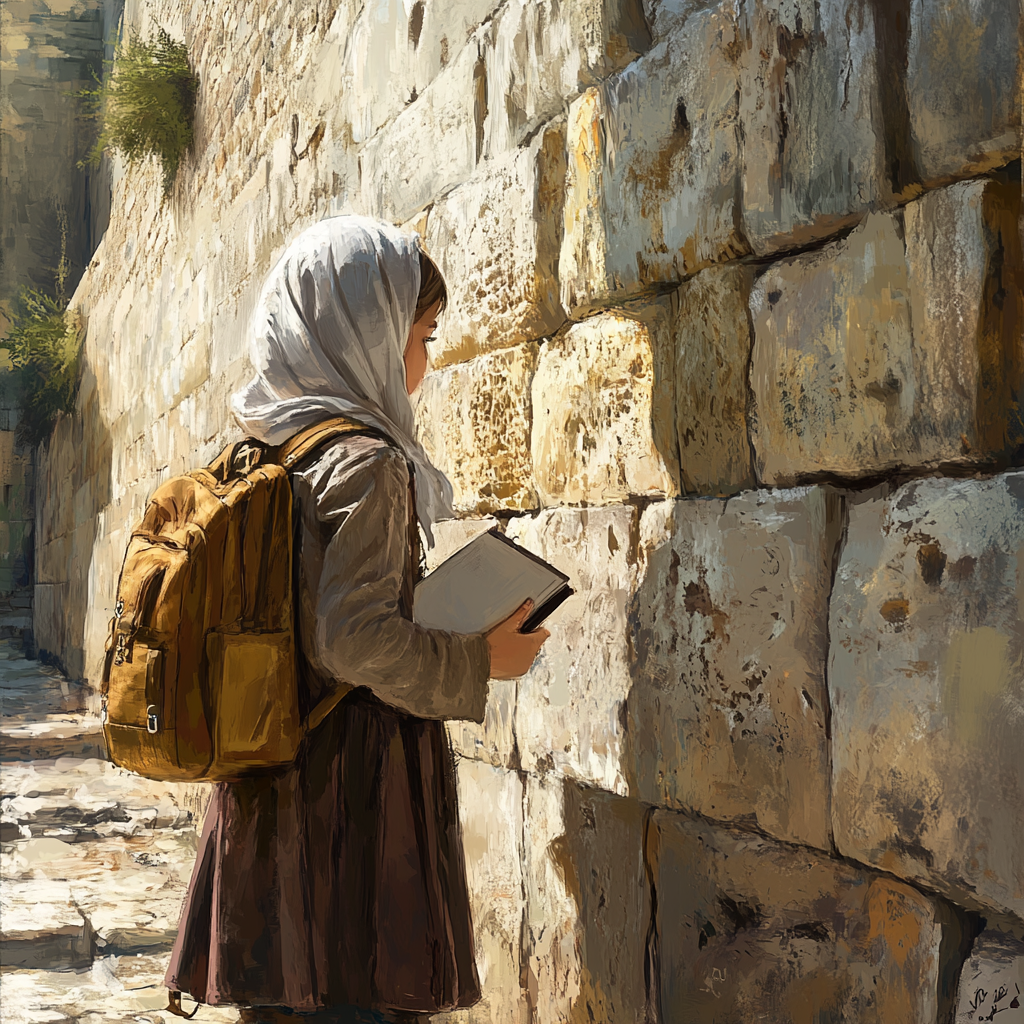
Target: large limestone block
{"type": "Point", "coordinates": [491, 812]}
{"type": "Point", "coordinates": [587, 904]}
{"type": "Point", "coordinates": [603, 417]}
{"type": "Point", "coordinates": [966, 277]}
{"type": "Point", "coordinates": [397, 178]}
{"type": "Point", "coordinates": [713, 339]}
{"type": "Point", "coordinates": [810, 112]}
{"type": "Point", "coordinates": [185, 371]}
{"type": "Point", "coordinates": [569, 713]}
{"type": "Point", "coordinates": [832, 370]}
{"type": "Point", "coordinates": [963, 86]}
{"type": "Point", "coordinates": [54, 509]}
{"type": "Point", "coordinates": [544, 52]}
{"type": "Point", "coordinates": [652, 188]}
{"type": "Point", "coordinates": [925, 679]}
{"type": "Point", "coordinates": [992, 980]}
{"type": "Point", "coordinates": [209, 414]}
{"type": "Point", "coordinates": [496, 239]}
{"type": "Point", "coordinates": [899, 345]}
{"type": "Point", "coordinates": [474, 422]}
{"type": "Point", "coordinates": [727, 715]}
{"type": "Point", "coordinates": [747, 929]}
{"type": "Point", "coordinates": [394, 50]}
{"type": "Point", "coordinates": [493, 740]}
{"type": "Point", "coordinates": [49, 623]}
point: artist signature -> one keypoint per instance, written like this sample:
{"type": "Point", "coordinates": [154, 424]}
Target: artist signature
{"type": "Point", "coordinates": [981, 997]}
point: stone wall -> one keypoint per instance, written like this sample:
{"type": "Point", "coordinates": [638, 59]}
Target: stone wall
{"type": "Point", "coordinates": [17, 520]}
{"type": "Point", "coordinates": [51, 49]}
{"type": "Point", "coordinates": [736, 340]}
{"type": "Point", "coordinates": [51, 210]}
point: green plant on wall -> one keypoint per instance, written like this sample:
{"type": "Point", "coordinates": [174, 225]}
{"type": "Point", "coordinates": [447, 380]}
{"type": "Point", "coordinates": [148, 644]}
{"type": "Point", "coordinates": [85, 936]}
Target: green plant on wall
{"type": "Point", "coordinates": [44, 343]}
{"type": "Point", "coordinates": [146, 104]}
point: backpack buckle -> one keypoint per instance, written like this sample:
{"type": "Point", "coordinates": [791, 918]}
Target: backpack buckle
{"type": "Point", "coordinates": [152, 720]}
{"type": "Point", "coordinates": [120, 648]}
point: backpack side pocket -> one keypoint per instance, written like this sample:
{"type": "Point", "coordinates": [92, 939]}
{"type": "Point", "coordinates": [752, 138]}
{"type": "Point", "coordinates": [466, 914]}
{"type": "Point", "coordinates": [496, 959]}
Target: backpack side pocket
{"type": "Point", "coordinates": [254, 687]}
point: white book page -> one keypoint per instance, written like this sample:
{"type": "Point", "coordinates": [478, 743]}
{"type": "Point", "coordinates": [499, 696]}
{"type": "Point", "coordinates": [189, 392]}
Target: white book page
{"type": "Point", "coordinates": [480, 586]}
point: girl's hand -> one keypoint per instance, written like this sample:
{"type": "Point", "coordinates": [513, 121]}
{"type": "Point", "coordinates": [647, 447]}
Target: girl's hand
{"type": "Point", "coordinates": [512, 652]}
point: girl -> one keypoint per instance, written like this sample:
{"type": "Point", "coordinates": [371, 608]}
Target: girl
{"type": "Point", "coordinates": [338, 888]}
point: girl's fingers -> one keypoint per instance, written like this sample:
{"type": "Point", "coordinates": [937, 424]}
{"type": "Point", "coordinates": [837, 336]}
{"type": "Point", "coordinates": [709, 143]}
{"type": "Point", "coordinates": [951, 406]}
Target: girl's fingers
{"type": "Point", "coordinates": [515, 620]}
{"type": "Point", "coordinates": [524, 610]}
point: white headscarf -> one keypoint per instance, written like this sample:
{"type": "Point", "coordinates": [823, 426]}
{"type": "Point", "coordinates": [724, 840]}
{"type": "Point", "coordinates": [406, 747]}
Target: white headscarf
{"type": "Point", "coordinates": [328, 338]}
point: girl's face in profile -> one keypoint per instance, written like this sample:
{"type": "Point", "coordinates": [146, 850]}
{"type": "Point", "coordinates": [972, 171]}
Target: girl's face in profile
{"type": "Point", "coordinates": [416, 347]}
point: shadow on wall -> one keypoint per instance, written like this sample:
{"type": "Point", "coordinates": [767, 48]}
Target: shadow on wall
{"type": "Point", "coordinates": [590, 905]}
{"type": "Point", "coordinates": [1001, 320]}
{"type": "Point", "coordinates": [74, 481]}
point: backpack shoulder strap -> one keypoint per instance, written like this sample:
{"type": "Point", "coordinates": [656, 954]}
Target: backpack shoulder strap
{"type": "Point", "coordinates": [305, 442]}
{"type": "Point", "coordinates": [289, 455]}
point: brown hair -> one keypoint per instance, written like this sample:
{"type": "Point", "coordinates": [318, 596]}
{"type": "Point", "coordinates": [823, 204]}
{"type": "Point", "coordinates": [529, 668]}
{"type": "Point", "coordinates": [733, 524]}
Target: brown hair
{"type": "Point", "coordinates": [432, 287]}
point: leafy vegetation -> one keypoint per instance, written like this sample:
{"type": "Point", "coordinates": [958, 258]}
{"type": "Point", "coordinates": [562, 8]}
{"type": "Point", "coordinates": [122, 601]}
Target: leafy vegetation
{"type": "Point", "coordinates": [44, 343]}
{"type": "Point", "coordinates": [146, 103]}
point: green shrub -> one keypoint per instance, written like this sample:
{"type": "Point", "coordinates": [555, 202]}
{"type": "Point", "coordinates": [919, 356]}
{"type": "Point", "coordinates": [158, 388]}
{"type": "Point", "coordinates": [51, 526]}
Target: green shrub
{"type": "Point", "coordinates": [146, 105]}
{"type": "Point", "coordinates": [44, 343]}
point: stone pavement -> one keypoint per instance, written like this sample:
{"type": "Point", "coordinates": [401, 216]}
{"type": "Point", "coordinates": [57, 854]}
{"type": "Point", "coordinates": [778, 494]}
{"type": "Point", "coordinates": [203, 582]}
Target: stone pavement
{"type": "Point", "coordinates": [93, 866]}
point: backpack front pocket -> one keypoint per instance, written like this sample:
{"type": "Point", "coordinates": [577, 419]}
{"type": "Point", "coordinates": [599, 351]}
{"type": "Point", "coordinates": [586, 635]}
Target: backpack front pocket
{"type": "Point", "coordinates": [135, 695]}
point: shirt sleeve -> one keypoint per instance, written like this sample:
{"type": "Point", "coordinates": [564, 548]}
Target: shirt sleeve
{"type": "Point", "coordinates": [362, 637]}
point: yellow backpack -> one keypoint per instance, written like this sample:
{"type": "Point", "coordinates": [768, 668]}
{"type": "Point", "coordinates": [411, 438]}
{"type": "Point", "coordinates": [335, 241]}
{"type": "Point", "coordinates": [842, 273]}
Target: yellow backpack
{"type": "Point", "coordinates": [201, 674]}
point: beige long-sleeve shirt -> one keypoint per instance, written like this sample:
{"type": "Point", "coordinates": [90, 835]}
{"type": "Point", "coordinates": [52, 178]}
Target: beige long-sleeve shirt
{"type": "Point", "coordinates": [355, 625]}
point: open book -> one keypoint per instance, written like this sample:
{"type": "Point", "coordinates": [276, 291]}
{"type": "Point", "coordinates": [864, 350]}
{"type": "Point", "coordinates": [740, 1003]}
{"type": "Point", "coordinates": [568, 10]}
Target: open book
{"type": "Point", "coordinates": [483, 583]}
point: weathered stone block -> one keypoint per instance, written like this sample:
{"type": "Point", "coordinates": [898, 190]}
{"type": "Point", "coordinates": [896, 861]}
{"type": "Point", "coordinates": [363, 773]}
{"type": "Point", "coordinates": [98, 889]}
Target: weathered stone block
{"type": "Point", "coordinates": [925, 682]}
{"type": "Point", "coordinates": [963, 86]}
{"type": "Point", "coordinates": [587, 904]}
{"type": "Point", "coordinates": [543, 53]}
{"type": "Point", "coordinates": [185, 371]}
{"type": "Point", "coordinates": [491, 811]}
{"type": "Point", "coordinates": [751, 930]}
{"type": "Point", "coordinates": [210, 419]}
{"type": "Point", "coordinates": [713, 339]}
{"type": "Point", "coordinates": [492, 741]}
{"type": "Point", "coordinates": [395, 50]}
{"type": "Point", "coordinates": [810, 113]}
{"type": "Point", "coordinates": [966, 279]}
{"type": "Point", "coordinates": [496, 239]}
{"type": "Point", "coordinates": [992, 980]}
{"type": "Point", "coordinates": [48, 617]}
{"type": "Point", "coordinates": [570, 704]}
{"type": "Point", "coordinates": [900, 345]}
{"type": "Point", "coordinates": [831, 373]}
{"type": "Point", "coordinates": [603, 416]}
{"type": "Point", "coordinates": [728, 708]}
{"type": "Point", "coordinates": [653, 168]}
{"type": "Point", "coordinates": [396, 179]}
{"type": "Point", "coordinates": [474, 422]}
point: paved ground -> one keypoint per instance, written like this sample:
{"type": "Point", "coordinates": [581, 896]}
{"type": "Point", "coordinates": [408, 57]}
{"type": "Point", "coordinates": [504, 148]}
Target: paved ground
{"type": "Point", "coordinates": [93, 863]}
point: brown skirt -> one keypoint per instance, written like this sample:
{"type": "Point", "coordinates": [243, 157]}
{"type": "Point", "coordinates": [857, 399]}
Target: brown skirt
{"type": "Point", "coordinates": [339, 882]}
